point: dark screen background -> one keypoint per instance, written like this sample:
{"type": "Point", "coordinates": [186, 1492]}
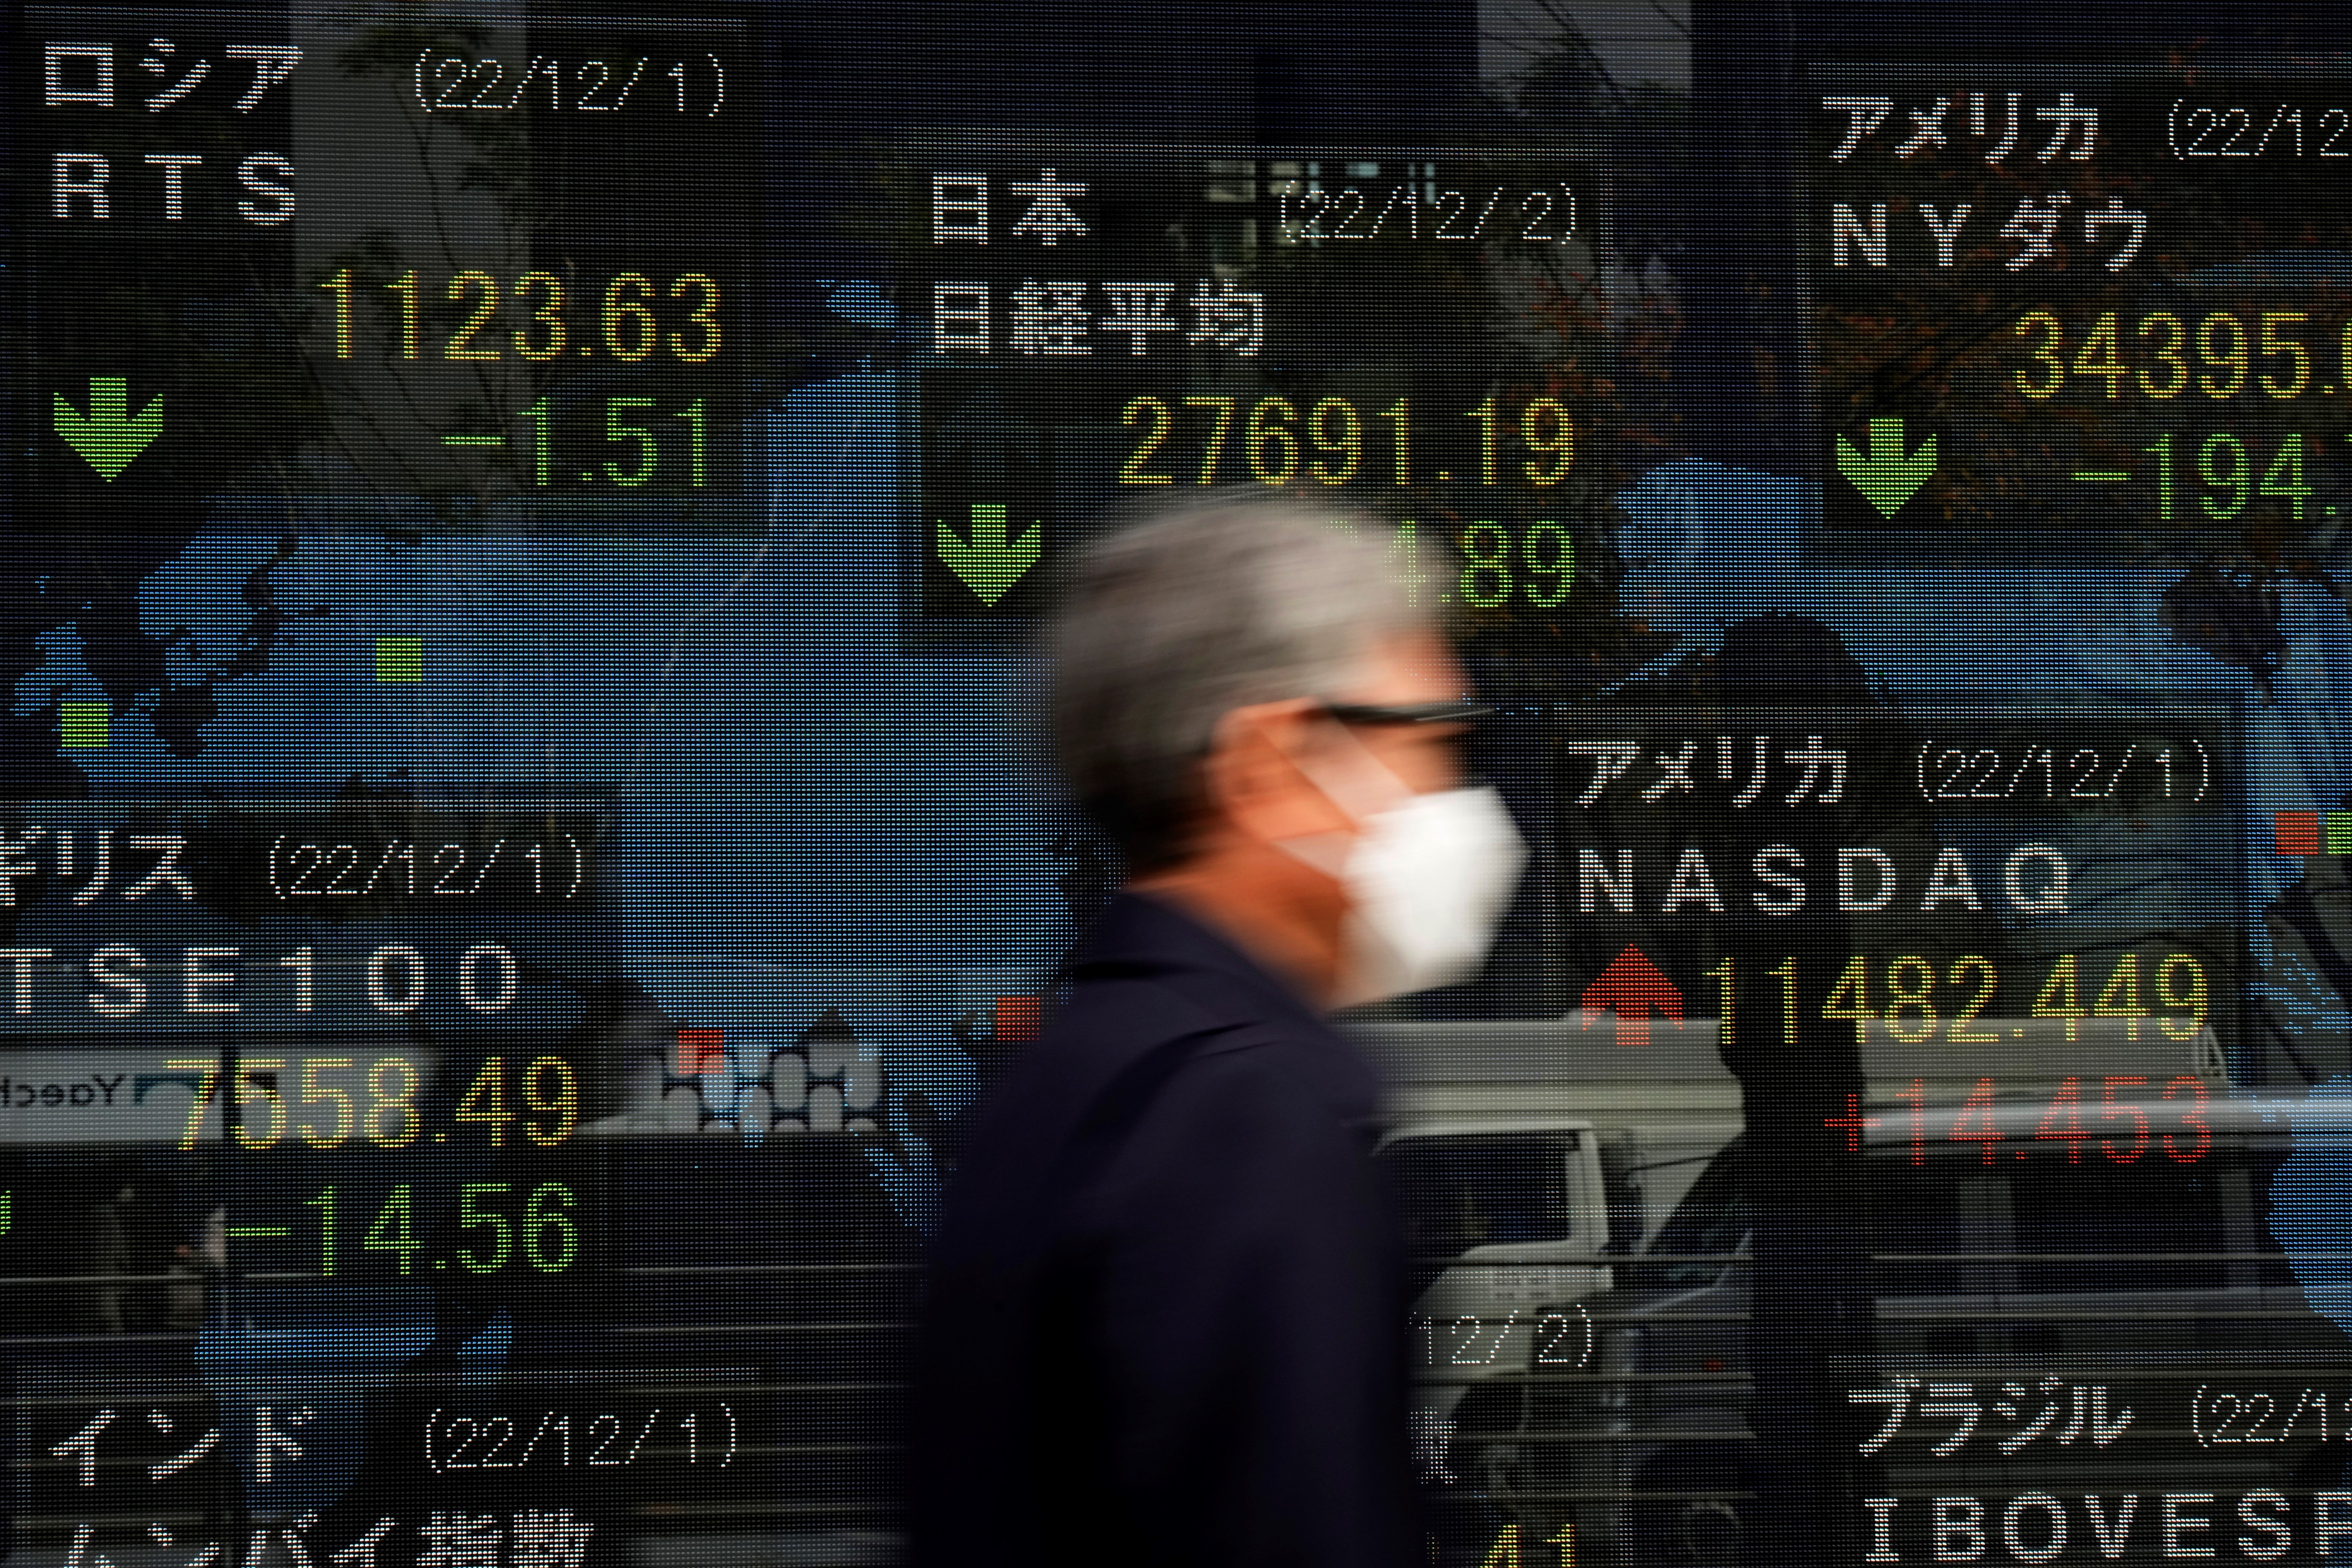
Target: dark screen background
{"type": "Point", "coordinates": [521, 840]}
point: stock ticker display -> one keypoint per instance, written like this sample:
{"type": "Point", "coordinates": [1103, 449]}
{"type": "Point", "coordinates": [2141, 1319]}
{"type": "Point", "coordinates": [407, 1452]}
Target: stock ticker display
{"type": "Point", "coordinates": [518, 847]}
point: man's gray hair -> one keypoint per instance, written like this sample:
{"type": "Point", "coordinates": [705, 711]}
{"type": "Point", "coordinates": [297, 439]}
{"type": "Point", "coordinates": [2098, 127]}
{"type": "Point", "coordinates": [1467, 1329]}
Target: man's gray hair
{"type": "Point", "coordinates": [1176, 620]}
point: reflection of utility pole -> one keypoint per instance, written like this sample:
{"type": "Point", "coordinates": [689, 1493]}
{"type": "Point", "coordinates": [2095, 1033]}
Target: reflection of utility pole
{"type": "Point", "coordinates": [1738, 354]}
{"type": "Point", "coordinates": [1788, 678]}
{"type": "Point", "coordinates": [1553, 992]}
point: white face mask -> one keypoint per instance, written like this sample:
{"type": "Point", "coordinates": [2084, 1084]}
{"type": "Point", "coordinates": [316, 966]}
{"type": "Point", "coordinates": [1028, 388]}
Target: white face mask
{"type": "Point", "coordinates": [1427, 879]}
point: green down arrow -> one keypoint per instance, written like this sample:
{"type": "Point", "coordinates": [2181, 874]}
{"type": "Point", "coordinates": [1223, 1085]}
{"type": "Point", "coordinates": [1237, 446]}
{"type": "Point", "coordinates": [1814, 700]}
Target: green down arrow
{"type": "Point", "coordinates": [1886, 478]}
{"type": "Point", "coordinates": [991, 563]}
{"type": "Point", "coordinates": [109, 437]}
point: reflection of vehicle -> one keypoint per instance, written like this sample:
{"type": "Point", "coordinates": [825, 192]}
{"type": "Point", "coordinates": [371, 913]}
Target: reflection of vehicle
{"type": "Point", "coordinates": [1500, 1221]}
{"type": "Point", "coordinates": [1659, 1107]}
{"type": "Point", "coordinates": [1530, 1158]}
{"type": "Point", "coordinates": [2116, 1248]}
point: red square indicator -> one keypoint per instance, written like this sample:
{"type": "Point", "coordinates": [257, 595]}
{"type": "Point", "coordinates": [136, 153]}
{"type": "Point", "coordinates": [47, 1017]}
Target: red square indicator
{"type": "Point", "coordinates": [2298, 833]}
{"type": "Point", "coordinates": [1016, 1018]}
{"type": "Point", "coordinates": [701, 1051]}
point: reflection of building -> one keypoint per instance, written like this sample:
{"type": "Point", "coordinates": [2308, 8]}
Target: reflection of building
{"type": "Point", "coordinates": [821, 1082]}
{"type": "Point", "coordinates": [1640, 43]}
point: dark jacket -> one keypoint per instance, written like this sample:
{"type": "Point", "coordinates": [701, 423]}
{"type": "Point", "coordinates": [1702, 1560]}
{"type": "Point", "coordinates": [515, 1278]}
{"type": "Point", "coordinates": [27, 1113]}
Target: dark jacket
{"type": "Point", "coordinates": [1166, 1314]}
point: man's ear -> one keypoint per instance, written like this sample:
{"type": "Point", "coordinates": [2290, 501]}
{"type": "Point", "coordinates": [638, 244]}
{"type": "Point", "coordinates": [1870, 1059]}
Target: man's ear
{"type": "Point", "coordinates": [1251, 782]}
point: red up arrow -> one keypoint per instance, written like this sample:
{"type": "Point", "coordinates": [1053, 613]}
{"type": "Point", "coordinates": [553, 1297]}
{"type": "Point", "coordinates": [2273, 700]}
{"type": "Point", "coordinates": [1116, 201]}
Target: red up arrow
{"type": "Point", "coordinates": [1632, 988]}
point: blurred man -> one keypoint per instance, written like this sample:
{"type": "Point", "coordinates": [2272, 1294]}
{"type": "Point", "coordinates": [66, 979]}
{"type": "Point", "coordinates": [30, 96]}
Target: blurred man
{"type": "Point", "coordinates": [1167, 1319]}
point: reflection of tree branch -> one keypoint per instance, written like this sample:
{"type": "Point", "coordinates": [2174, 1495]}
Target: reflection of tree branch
{"type": "Point", "coordinates": [380, 54]}
{"type": "Point", "coordinates": [353, 404]}
{"type": "Point", "coordinates": [332, 429]}
{"type": "Point", "coordinates": [421, 137]}
{"type": "Point", "coordinates": [1572, 50]}
{"type": "Point", "coordinates": [1671, 20]}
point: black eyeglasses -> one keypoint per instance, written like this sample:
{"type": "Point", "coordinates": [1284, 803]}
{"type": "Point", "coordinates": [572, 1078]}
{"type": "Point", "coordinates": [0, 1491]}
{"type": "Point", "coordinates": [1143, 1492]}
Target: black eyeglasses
{"type": "Point", "coordinates": [1419, 713]}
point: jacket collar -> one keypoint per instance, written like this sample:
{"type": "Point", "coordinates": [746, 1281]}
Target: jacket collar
{"type": "Point", "coordinates": [1142, 937]}
{"type": "Point", "coordinates": [1137, 934]}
